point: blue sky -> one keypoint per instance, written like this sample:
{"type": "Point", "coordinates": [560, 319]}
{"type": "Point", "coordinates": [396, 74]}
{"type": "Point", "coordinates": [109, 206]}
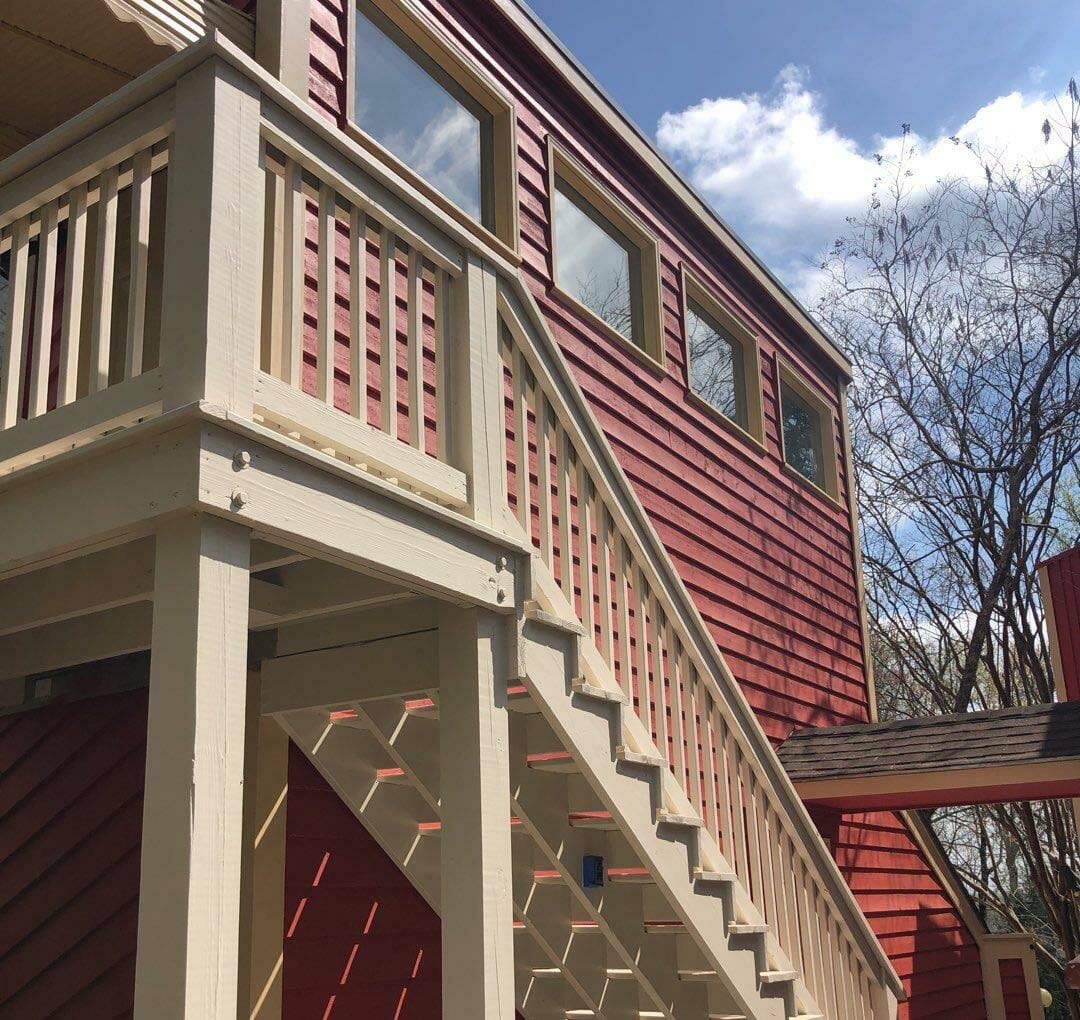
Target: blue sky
{"type": "Point", "coordinates": [773, 108]}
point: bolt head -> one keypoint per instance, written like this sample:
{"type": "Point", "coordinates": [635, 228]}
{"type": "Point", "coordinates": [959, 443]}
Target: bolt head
{"type": "Point", "coordinates": [501, 563]}
{"type": "Point", "coordinates": [242, 459]}
{"type": "Point", "coordinates": [239, 498]}
{"type": "Point", "coordinates": [500, 595]}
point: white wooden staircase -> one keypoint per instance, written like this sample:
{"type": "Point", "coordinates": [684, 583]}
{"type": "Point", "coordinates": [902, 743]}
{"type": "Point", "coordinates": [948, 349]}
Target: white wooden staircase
{"type": "Point", "coordinates": [631, 741]}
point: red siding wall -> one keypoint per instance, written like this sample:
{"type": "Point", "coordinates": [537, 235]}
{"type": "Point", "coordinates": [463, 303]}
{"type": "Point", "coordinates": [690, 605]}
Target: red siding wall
{"type": "Point", "coordinates": [1014, 990]}
{"type": "Point", "coordinates": [359, 939]}
{"type": "Point", "coordinates": [1063, 575]}
{"type": "Point", "coordinates": [769, 563]}
{"type": "Point", "coordinates": [929, 945]}
{"type": "Point", "coordinates": [71, 783]}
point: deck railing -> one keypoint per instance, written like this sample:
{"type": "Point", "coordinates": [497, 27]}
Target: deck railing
{"type": "Point", "coordinates": [653, 645]}
{"type": "Point", "coordinates": [343, 312]}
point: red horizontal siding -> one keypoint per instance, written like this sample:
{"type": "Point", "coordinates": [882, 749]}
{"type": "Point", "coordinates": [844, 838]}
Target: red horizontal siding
{"type": "Point", "coordinates": [1014, 990]}
{"type": "Point", "coordinates": [1063, 575]}
{"type": "Point", "coordinates": [769, 564]}
{"type": "Point", "coordinates": [71, 783]}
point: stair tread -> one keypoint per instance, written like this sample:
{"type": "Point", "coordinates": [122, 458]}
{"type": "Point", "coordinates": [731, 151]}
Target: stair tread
{"type": "Point", "coordinates": [624, 754]}
{"type": "Point", "coordinates": [748, 929]}
{"type": "Point", "coordinates": [592, 820]}
{"type": "Point", "coordinates": [552, 761]}
{"type": "Point", "coordinates": [642, 875]}
{"type": "Point", "coordinates": [588, 690]}
{"type": "Point", "coordinates": [544, 618]}
{"type": "Point", "coordinates": [771, 977]}
{"type": "Point", "coordinates": [724, 877]}
{"type": "Point", "coordinates": [422, 708]}
{"type": "Point", "coordinates": [664, 817]}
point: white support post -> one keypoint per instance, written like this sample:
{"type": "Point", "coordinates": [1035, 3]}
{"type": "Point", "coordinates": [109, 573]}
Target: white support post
{"type": "Point", "coordinates": [477, 901]}
{"type": "Point", "coordinates": [211, 295]}
{"type": "Point", "coordinates": [193, 808]}
{"type": "Point", "coordinates": [476, 432]}
{"type": "Point", "coordinates": [282, 40]}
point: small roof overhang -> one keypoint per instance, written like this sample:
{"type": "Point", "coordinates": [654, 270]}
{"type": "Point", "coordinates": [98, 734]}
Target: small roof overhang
{"type": "Point", "coordinates": [1009, 754]}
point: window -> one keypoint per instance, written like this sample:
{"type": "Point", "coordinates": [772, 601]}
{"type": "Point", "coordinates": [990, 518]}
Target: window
{"type": "Point", "coordinates": [429, 108]}
{"type": "Point", "coordinates": [597, 265]}
{"type": "Point", "coordinates": [723, 358]}
{"type": "Point", "coordinates": [807, 432]}
{"type": "Point", "coordinates": [605, 261]}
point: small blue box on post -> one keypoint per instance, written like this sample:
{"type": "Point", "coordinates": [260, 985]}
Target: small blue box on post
{"type": "Point", "coordinates": [592, 871]}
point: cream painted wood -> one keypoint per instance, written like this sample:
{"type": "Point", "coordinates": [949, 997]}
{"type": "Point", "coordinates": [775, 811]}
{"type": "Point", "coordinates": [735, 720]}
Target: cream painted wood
{"type": "Point", "coordinates": [295, 214]}
{"type": "Point", "coordinates": [101, 325]}
{"type": "Point", "coordinates": [41, 348]}
{"type": "Point", "coordinates": [71, 314]}
{"type": "Point", "coordinates": [327, 281]}
{"type": "Point", "coordinates": [283, 41]}
{"type": "Point", "coordinates": [388, 332]}
{"type": "Point", "coordinates": [393, 666]}
{"type": "Point", "coordinates": [266, 846]}
{"type": "Point", "coordinates": [211, 308]}
{"type": "Point", "coordinates": [358, 256]}
{"type": "Point", "coordinates": [140, 249]}
{"type": "Point", "coordinates": [414, 362]}
{"type": "Point", "coordinates": [187, 961]}
{"type": "Point", "coordinates": [15, 339]}
{"type": "Point", "coordinates": [477, 905]}
{"type": "Point", "coordinates": [303, 506]}
{"type": "Point", "coordinates": [476, 371]}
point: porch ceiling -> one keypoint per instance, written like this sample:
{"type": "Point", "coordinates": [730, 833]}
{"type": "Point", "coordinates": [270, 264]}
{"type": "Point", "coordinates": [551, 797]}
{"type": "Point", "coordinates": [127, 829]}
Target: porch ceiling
{"type": "Point", "coordinates": [58, 59]}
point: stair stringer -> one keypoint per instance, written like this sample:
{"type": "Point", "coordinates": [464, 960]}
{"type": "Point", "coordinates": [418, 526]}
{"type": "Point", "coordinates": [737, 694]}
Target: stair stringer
{"type": "Point", "coordinates": [587, 730]}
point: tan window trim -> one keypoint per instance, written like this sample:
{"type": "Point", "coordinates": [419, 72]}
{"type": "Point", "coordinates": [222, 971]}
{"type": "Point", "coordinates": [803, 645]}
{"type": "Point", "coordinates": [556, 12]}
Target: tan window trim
{"type": "Point", "coordinates": [787, 374]}
{"type": "Point", "coordinates": [694, 290]}
{"type": "Point", "coordinates": [501, 176]}
{"type": "Point", "coordinates": [562, 164]}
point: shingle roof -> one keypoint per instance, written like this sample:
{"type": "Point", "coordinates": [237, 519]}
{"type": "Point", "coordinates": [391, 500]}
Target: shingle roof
{"type": "Point", "coordinates": [1005, 736]}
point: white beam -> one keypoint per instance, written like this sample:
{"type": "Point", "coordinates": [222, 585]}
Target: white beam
{"type": "Point", "coordinates": [313, 510]}
{"type": "Point", "coordinates": [189, 896]}
{"type": "Point", "coordinates": [375, 669]}
{"type": "Point", "coordinates": [101, 580]}
{"type": "Point", "coordinates": [477, 902]}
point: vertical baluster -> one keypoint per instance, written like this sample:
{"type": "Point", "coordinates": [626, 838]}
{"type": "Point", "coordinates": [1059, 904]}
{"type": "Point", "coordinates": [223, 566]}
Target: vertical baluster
{"type": "Point", "coordinates": [273, 295]}
{"type": "Point", "coordinates": [812, 973]}
{"type": "Point", "coordinates": [622, 610]}
{"type": "Point", "coordinates": [678, 732]}
{"type": "Point", "coordinates": [415, 312]}
{"type": "Point", "coordinates": [442, 367]}
{"type": "Point", "coordinates": [105, 263]}
{"type": "Point", "coordinates": [566, 550]}
{"type": "Point", "coordinates": [791, 906]}
{"type": "Point", "coordinates": [775, 863]}
{"type": "Point", "coordinates": [842, 1011]}
{"type": "Point", "coordinates": [292, 325]}
{"type": "Point", "coordinates": [738, 855]}
{"type": "Point", "coordinates": [388, 331]}
{"type": "Point", "coordinates": [521, 440]}
{"type": "Point", "coordinates": [71, 314]}
{"type": "Point", "coordinates": [659, 690]}
{"type": "Point", "coordinates": [357, 312]}
{"type": "Point", "coordinates": [324, 384]}
{"type": "Point", "coordinates": [603, 582]}
{"type": "Point", "coordinates": [543, 475]}
{"type": "Point", "coordinates": [755, 836]}
{"type": "Point", "coordinates": [766, 827]}
{"type": "Point", "coordinates": [141, 184]}
{"type": "Point", "coordinates": [708, 715]}
{"type": "Point", "coordinates": [691, 685]}
{"type": "Point", "coordinates": [724, 780]}
{"type": "Point", "coordinates": [44, 300]}
{"type": "Point", "coordinates": [584, 497]}
{"type": "Point", "coordinates": [15, 340]}
{"type": "Point", "coordinates": [827, 1002]}
{"type": "Point", "coordinates": [644, 686]}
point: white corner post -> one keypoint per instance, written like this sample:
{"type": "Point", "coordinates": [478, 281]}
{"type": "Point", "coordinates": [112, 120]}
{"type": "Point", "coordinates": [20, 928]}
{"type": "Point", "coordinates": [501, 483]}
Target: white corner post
{"type": "Point", "coordinates": [211, 290]}
{"type": "Point", "coordinates": [283, 40]}
{"type": "Point", "coordinates": [477, 900]}
{"type": "Point", "coordinates": [187, 963]}
{"type": "Point", "coordinates": [476, 428]}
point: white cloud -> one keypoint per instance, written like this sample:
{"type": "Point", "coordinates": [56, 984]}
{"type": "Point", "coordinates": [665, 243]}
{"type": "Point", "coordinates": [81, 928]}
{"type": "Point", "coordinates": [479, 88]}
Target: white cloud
{"type": "Point", "coordinates": [785, 178]}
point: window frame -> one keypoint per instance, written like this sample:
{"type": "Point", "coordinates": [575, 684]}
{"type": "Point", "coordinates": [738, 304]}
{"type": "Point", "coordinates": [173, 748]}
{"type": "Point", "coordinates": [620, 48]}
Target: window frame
{"type": "Point", "coordinates": [499, 178]}
{"type": "Point", "coordinates": [719, 315]}
{"type": "Point", "coordinates": [607, 207]}
{"type": "Point", "coordinates": [788, 375]}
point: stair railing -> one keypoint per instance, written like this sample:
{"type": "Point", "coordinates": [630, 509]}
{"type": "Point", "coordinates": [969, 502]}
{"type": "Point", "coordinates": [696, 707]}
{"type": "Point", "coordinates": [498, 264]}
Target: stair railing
{"type": "Point", "coordinates": [571, 498]}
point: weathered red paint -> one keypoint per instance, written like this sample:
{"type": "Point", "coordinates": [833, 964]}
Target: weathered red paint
{"type": "Point", "coordinates": [1063, 574]}
{"type": "Point", "coordinates": [1014, 990]}
{"type": "Point", "coordinates": [71, 786]}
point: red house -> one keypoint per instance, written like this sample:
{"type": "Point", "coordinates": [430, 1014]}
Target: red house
{"type": "Point", "coordinates": [424, 521]}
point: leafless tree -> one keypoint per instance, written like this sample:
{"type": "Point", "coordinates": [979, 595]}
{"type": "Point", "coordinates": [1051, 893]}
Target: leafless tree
{"type": "Point", "coordinates": [960, 306]}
